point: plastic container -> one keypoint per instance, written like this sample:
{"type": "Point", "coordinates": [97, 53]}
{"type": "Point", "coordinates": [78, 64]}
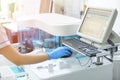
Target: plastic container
{"type": "Point", "coordinates": [32, 38]}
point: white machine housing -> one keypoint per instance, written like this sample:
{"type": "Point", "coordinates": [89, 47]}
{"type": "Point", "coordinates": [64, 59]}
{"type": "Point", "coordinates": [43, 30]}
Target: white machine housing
{"type": "Point", "coordinates": [52, 23]}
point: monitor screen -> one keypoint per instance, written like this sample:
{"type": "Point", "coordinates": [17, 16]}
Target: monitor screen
{"type": "Point", "coordinates": [97, 24]}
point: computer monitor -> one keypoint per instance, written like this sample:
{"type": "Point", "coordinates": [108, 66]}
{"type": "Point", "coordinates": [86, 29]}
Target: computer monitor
{"type": "Point", "coordinates": [97, 24]}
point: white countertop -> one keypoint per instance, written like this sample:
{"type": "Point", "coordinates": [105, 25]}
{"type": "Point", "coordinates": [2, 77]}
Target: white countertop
{"type": "Point", "coordinates": [4, 61]}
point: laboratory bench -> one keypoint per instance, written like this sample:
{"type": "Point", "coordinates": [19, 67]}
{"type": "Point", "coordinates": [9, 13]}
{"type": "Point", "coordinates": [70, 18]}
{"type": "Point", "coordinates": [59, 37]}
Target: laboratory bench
{"type": "Point", "coordinates": [70, 69]}
{"type": "Point", "coordinates": [76, 67]}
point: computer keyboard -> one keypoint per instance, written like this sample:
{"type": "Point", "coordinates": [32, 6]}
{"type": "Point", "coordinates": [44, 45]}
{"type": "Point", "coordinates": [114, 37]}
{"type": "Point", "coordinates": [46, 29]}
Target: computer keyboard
{"type": "Point", "coordinates": [81, 47]}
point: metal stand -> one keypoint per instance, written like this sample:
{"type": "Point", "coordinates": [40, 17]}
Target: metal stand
{"type": "Point", "coordinates": [99, 61]}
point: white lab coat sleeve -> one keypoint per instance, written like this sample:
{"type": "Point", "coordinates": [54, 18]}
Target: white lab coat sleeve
{"type": "Point", "coordinates": [4, 41]}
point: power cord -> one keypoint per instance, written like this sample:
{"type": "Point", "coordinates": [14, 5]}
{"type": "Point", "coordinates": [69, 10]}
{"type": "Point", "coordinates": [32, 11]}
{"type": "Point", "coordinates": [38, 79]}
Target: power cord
{"type": "Point", "coordinates": [89, 60]}
{"type": "Point", "coordinates": [112, 50]}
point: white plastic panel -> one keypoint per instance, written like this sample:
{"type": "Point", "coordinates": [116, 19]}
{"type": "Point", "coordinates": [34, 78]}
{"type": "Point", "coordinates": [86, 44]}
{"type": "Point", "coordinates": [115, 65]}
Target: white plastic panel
{"type": "Point", "coordinates": [55, 24]}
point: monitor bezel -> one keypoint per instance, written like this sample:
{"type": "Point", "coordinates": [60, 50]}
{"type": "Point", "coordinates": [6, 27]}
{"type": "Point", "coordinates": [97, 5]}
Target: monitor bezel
{"type": "Point", "coordinates": [106, 33]}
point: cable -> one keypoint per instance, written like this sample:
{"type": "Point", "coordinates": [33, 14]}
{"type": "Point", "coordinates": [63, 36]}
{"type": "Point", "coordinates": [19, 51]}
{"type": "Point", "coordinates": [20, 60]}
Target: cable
{"type": "Point", "coordinates": [111, 50]}
{"type": "Point", "coordinates": [111, 42]}
{"type": "Point", "coordinates": [90, 59]}
{"type": "Point", "coordinates": [108, 59]}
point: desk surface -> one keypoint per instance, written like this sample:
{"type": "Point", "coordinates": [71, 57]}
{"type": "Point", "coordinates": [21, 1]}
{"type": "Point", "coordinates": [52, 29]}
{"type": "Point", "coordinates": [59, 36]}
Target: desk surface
{"type": "Point", "coordinates": [4, 61]}
{"type": "Point", "coordinates": [5, 20]}
{"type": "Point", "coordinates": [69, 69]}
{"type": "Point", "coordinates": [11, 26]}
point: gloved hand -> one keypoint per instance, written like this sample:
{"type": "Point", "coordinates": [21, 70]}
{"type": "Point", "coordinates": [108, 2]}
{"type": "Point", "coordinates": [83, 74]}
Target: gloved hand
{"type": "Point", "coordinates": [60, 52]}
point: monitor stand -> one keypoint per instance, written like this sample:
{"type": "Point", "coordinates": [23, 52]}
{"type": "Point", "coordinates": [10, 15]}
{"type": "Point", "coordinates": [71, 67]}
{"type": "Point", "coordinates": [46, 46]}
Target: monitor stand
{"type": "Point", "coordinates": [111, 46]}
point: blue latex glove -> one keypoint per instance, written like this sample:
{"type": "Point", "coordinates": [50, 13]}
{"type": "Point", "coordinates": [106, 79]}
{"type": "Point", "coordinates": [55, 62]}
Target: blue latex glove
{"type": "Point", "coordinates": [60, 52]}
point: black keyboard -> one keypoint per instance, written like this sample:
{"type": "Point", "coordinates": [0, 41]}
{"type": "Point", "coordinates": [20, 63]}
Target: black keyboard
{"type": "Point", "coordinates": [81, 47]}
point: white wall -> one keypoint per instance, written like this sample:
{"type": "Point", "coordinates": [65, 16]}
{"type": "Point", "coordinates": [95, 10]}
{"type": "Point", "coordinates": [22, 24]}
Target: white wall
{"type": "Point", "coordinates": [30, 6]}
{"type": "Point", "coordinates": [71, 7]}
{"type": "Point", "coordinates": [27, 7]}
{"type": "Point", "coordinates": [108, 4]}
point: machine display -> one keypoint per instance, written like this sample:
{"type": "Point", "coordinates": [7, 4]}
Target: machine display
{"type": "Point", "coordinates": [97, 24]}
